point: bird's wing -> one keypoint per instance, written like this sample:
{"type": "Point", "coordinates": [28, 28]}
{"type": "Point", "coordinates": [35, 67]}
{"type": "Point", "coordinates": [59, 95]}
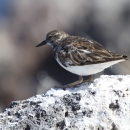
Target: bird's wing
{"type": "Point", "coordinates": [80, 51]}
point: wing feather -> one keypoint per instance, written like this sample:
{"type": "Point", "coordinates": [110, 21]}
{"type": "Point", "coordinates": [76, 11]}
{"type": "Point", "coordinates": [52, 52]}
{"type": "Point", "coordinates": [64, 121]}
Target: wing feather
{"type": "Point", "coordinates": [80, 51]}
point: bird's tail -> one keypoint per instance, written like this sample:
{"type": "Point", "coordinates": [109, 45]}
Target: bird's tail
{"type": "Point", "coordinates": [119, 57]}
{"type": "Point", "coordinates": [125, 57]}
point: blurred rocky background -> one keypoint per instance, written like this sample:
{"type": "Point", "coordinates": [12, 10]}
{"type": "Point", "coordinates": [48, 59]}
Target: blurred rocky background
{"type": "Point", "coordinates": [26, 70]}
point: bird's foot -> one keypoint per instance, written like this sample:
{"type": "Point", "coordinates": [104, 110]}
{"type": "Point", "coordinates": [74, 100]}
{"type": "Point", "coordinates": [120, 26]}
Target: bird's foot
{"type": "Point", "coordinates": [64, 87]}
{"type": "Point", "coordinates": [90, 80]}
{"type": "Point", "coordinates": [79, 82]}
{"type": "Point", "coordinates": [71, 85]}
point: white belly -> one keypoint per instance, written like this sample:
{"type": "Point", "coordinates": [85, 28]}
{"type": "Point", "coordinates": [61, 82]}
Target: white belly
{"type": "Point", "coordinates": [89, 69]}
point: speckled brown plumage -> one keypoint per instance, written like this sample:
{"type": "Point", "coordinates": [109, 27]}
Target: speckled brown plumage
{"type": "Point", "coordinates": [72, 49]}
{"type": "Point", "coordinates": [79, 55]}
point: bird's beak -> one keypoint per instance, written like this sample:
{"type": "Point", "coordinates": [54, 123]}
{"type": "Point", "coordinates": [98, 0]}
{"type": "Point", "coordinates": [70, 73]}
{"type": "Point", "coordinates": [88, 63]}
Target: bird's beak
{"type": "Point", "coordinates": [42, 43]}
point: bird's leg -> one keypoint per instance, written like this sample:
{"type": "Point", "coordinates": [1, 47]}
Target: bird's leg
{"type": "Point", "coordinates": [90, 79]}
{"type": "Point", "coordinates": [72, 84]}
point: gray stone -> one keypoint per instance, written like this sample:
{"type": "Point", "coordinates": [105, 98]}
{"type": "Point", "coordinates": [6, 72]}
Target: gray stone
{"type": "Point", "coordinates": [101, 105]}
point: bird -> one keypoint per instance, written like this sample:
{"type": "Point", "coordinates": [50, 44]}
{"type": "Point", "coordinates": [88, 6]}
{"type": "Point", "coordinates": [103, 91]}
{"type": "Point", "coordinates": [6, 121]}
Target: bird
{"type": "Point", "coordinates": [80, 56]}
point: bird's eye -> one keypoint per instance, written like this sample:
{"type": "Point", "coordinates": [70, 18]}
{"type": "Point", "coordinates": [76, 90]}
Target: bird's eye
{"type": "Point", "coordinates": [50, 37]}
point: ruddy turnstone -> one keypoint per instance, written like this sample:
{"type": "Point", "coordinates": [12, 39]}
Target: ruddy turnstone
{"type": "Point", "coordinates": [79, 55]}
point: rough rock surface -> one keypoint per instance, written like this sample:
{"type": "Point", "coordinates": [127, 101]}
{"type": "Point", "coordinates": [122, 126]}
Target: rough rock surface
{"type": "Point", "coordinates": [101, 105]}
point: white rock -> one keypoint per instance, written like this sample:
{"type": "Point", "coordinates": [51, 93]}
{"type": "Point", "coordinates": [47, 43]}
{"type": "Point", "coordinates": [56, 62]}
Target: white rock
{"type": "Point", "coordinates": [101, 105]}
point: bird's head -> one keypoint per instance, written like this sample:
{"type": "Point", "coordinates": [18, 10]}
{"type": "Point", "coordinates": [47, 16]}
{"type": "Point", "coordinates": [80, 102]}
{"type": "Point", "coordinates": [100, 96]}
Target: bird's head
{"type": "Point", "coordinates": [54, 38]}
